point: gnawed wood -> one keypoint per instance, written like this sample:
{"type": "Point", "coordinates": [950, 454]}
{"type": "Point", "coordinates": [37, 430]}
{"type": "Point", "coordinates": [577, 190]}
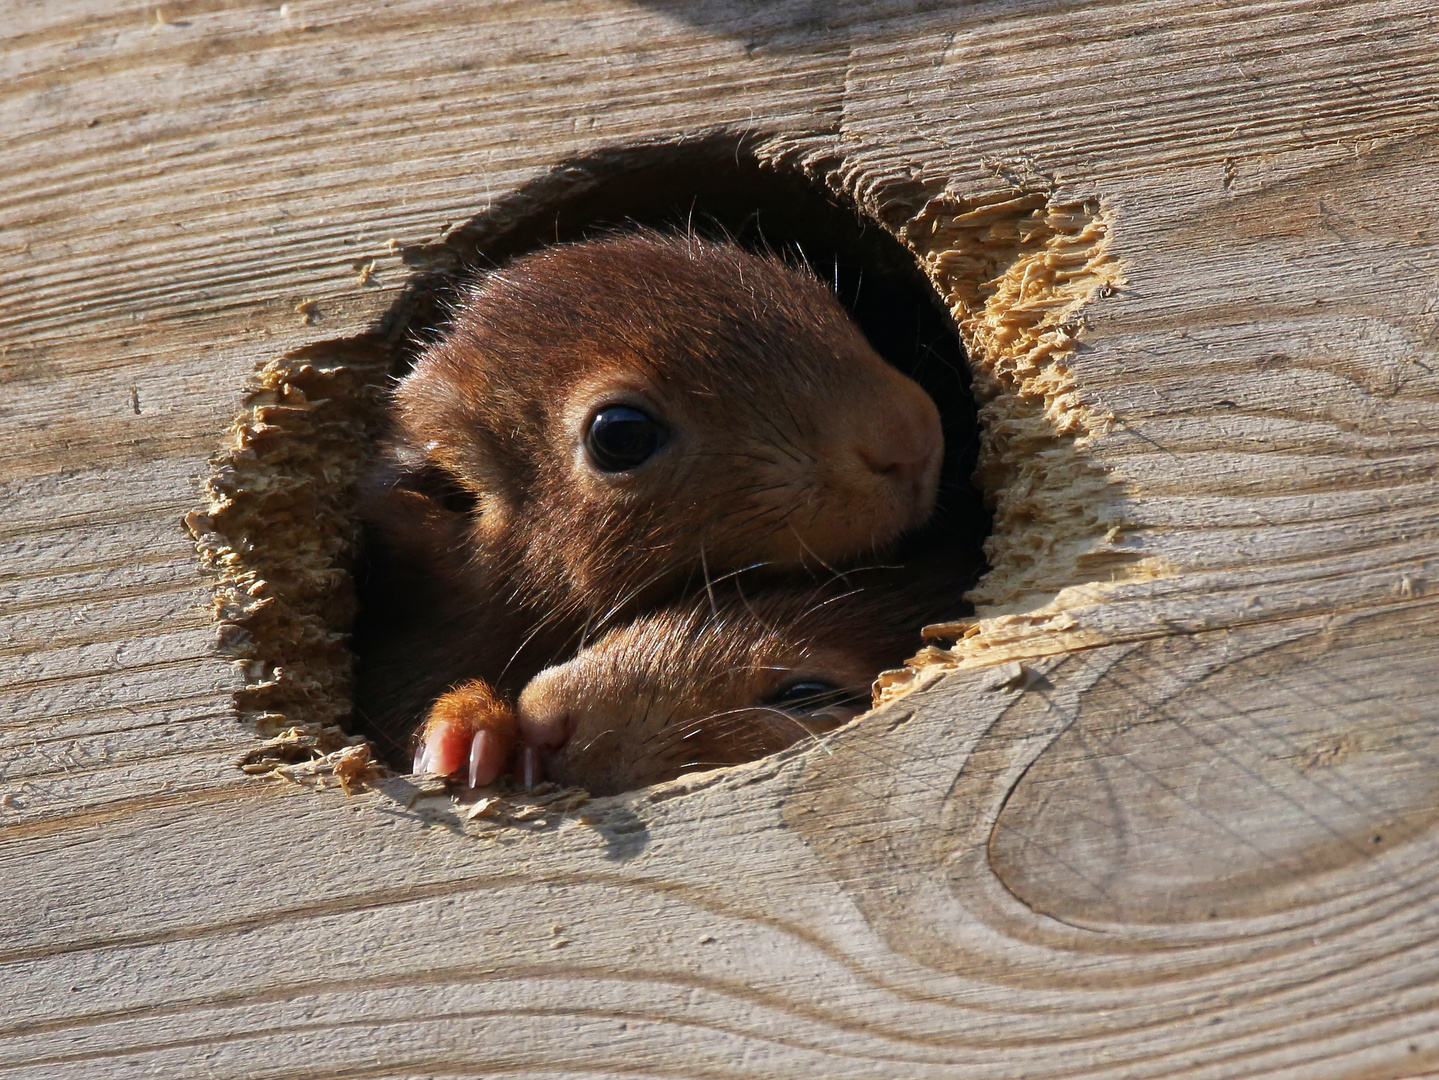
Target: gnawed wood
{"type": "Point", "coordinates": [1127, 828]}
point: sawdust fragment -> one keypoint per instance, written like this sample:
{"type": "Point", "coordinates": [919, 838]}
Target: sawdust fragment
{"type": "Point", "coordinates": [483, 808]}
{"type": "Point", "coordinates": [300, 755]}
{"type": "Point", "coordinates": [505, 806]}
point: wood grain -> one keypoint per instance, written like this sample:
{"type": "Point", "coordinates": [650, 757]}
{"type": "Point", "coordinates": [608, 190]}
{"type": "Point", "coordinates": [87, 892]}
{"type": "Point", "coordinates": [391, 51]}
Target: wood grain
{"type": "Point", "coordinates": [1167, 809]}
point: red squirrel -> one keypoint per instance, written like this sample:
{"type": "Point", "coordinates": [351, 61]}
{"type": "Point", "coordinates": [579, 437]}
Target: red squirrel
{"type": "Point", "coordinates": [604, 424]}
{"type": "Point", "coordinates": [727, 677]}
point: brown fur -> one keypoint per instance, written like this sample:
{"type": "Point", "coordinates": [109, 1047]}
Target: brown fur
{"type": "Point", "coordinates": [792, 443]}
{"type": "Point", "coordinates": [691, 687]}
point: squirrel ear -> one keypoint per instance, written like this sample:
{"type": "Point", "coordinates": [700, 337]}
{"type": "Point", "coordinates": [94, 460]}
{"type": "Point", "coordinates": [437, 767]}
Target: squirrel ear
{"type": "Point", "coordinates": [420, 516]}
{"type": "Point", "coordinates": [438, 485]}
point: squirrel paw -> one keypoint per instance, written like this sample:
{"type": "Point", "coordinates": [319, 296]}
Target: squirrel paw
{"type": "Point", "coordinates": [469, 731]}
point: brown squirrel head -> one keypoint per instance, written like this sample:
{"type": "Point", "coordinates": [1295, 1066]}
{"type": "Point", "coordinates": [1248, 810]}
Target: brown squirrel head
{"type": "Point", "coordinates": [726, 679]}
{"type": "Point", "coordinates": [611, 416]}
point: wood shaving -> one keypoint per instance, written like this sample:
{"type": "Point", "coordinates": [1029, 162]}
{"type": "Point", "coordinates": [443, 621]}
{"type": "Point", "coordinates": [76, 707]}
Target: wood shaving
{"type": "Point", "coordinates": [483, 808]}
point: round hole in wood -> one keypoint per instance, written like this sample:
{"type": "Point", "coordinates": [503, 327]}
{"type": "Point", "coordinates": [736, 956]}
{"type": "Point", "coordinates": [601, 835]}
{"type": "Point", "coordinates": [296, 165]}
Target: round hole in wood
{"type": "Point", "coordinates": [297, 602]}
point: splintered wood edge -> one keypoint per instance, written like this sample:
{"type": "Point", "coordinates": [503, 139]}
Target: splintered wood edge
{"type": "Point", "coordinates": [1016, 272]}
{"type": "Point", "coordinates": [278, 535]}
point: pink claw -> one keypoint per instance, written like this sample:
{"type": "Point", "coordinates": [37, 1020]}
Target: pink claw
{"type": "Point", "coordinates": [442, 750]}
{"type": "Point", "coordinates": [486, 759]}
{"type": "Point", "coordinates": [529, 769]}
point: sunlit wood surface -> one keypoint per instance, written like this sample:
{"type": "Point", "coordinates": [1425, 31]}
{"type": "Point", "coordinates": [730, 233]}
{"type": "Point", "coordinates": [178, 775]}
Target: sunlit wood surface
{"type": "Point", "coordinates": [1171, 810]}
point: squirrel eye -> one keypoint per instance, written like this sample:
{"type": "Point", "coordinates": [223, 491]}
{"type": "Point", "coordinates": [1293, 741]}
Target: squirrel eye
{"type": "Point", "coordinates": [808, 695]}
{"type": "Point", "coordinates": [620, 437]}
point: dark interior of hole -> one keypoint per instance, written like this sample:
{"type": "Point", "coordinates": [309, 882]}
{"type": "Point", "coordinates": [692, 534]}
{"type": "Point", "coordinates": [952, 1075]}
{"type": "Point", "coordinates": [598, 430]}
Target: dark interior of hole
{"type": "Point", "coordinates": [717, 188]}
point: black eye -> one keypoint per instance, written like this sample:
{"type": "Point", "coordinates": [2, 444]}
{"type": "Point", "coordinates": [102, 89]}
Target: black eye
{"type": "Point", "coordinates": [621, 438]}
{"type": "Point", "coordinates": [809, 695]}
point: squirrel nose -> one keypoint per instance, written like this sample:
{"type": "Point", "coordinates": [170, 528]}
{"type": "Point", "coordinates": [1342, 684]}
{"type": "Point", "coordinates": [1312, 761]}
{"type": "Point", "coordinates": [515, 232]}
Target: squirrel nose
{"type": "Point", "coordinates": [547, 732]}
{"type": "Point", "coordinates": [543, 718]}
{"type": "Point", "coordinates": [904, 443]}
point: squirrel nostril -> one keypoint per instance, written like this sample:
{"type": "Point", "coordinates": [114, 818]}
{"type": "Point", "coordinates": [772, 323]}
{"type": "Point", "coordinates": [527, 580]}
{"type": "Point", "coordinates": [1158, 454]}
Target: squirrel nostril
{"type": "Point", "coordinates": [549, 734]}
{"type": "Point", "coordinates": [901, 470]}
{"type": "Point", "coordinates": [910, 474]}
{"type": "Point", "coordinates": [566, 731]}
{"type": "Point", "coordinates": [906, 454]}
{"type": "Point", "coordinates": [551, 707]}
{"type": "Point", "coordinates": [900, 436]}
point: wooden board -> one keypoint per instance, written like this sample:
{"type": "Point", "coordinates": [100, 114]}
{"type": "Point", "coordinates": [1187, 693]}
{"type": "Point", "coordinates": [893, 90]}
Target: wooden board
{"type": "Point", "coordinates": [1168, 809]}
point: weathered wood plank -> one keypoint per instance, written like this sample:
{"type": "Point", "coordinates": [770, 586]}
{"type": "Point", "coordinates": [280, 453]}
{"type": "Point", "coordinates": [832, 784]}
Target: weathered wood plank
{"type": "Point", "coordinates": [884, 941]}
{"type": "Point", "coordinates": [1132, 834]}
